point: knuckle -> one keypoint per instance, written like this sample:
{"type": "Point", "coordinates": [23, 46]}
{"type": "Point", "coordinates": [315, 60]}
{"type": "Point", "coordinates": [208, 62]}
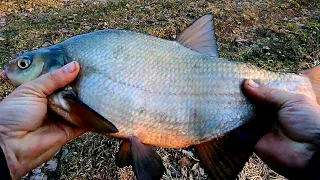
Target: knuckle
{"type": "Point", "coordinates": [31, 88]}
{"type": "Point", "coordinates": [27, 86]}
{"type": "Point", "coordinates": [54, 76]}
{"type": "Point", "coordinates": [297, 101]}
{"type": "Point", "coordinates": [299, 98]}
{"type": "Point", "coordinates": [272, 93]}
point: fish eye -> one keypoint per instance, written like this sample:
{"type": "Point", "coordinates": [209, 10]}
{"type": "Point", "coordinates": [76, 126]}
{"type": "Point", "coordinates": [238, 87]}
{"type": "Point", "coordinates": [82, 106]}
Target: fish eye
{"type": "Point", "coordinates": [23, 63]}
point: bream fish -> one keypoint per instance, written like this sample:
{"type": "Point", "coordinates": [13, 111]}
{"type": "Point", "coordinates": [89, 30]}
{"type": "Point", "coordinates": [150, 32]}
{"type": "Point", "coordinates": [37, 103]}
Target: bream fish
{"type": "Point", "coordinates": [150, 91]}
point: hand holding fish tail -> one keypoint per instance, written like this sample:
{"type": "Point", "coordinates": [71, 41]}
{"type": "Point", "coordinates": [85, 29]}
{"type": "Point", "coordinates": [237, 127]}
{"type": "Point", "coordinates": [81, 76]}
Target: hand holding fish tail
{"type": "Point", "coordinates": [28, 135]}
{"type": "Point", "coordinates": [291, 149]}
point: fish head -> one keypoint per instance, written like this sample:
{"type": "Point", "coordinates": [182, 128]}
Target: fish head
{"type": "Point", "coordinates": [30, 65]}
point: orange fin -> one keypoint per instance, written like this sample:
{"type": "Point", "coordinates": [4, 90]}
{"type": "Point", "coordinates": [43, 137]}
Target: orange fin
{"type": "Point", "coordinates": [146, 163]}
{"type": "Point", "coordinates": [225, 157]}
{"type": "Point", "coordinates": [123, 157]}
{"type": "Point", "coordinates": [86, 117]}
{"type": "Point", "coordinates": [314, 75]}
{"type": "Point", "coordinates": [200, 36]}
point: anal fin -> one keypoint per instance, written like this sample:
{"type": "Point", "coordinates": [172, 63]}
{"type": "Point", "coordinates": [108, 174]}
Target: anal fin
{"type": "Point", "coordinates": [222, 162]}
{"type": "Point", "coordinates": [146, 162]}
{"type": "Point", "coordinates": [225, 157]}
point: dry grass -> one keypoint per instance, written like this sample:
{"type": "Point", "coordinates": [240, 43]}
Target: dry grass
{"type": "Point", "coordinates": [289, 28]}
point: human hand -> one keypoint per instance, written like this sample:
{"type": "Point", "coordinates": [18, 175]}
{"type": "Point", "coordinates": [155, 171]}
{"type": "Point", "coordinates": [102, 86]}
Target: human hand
{"type": "Point", "coordinates": [27, 137]}
{"type": "Point", "coordinates": [289, 148]}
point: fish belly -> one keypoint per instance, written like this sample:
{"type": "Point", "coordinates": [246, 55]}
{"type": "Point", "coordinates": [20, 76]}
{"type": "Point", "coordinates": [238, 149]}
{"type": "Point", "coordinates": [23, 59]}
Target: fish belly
{"type": "Point", "coordinates": [163, 93]}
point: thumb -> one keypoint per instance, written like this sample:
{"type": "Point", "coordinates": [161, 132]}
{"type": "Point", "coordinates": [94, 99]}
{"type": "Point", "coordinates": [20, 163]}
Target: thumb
{"type": "Point", "coordinates": [261, 94]}
{"type": "Point", "coordinates": [48, 83]}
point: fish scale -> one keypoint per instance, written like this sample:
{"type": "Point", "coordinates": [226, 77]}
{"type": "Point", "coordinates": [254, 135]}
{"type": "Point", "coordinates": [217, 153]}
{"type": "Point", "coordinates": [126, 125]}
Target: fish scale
{"type": "Point", "coordinates": [173, 94]}
{"type": "Point", "coordinates": [152, 86]}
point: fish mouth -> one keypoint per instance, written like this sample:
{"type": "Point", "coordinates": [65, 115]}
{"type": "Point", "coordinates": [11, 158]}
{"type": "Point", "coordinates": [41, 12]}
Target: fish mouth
{"type": "Point", "coordinates": [3, 75]}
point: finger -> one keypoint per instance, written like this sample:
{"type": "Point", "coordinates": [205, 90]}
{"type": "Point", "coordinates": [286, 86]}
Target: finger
{"type": "Point", "coordinates": [50, 136]}
{"type": "Point", "coordinates": [49, 82]}
{"type": "Point", "coordinates": [266, 95]}
{"type": "Point", "coordinates": [70, 132]}
{"type": "Point", "coordinates": [64, 130]}
{"type": "Point", "coordinates": [41, 145]}
{"type": "Point", "coordinates": [268, 147]}
{"type": "Point", "coordinates": [277, 150]}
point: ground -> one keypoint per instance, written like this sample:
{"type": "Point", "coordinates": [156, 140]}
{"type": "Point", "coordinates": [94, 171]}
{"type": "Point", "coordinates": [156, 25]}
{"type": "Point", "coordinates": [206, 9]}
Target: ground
{"type": "Point", "coordinates": [278, 35]}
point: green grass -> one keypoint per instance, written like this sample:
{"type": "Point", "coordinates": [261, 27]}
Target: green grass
{"type": "Point", "coordinates": [276, 35]}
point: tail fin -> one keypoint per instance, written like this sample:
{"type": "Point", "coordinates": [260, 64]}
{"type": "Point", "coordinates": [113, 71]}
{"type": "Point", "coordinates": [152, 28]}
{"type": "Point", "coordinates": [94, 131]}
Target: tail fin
{"type": "Point", "coordinates": [314, 75]}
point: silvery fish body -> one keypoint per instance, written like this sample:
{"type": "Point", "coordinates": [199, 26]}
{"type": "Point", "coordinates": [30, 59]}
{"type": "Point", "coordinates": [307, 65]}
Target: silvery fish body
{"type": "Point", "coordinates": [173, 94]}
{"type": "Point", "coordinates": [164, 93]}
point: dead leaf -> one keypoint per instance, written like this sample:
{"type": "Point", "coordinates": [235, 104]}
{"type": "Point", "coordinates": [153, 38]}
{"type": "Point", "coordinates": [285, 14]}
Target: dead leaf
{"type": "Point", "coordinates": [189, 154]}
{"type": "Point", "coordinates": [52, 165]}
{"type": "Point", "coordinates": [201, 170]}
{"type": "Point", "coordinates": [184, 172]}
{"type": "Point", "coordinates": [195, 166]}
{"type": "Point", "coordinates": [184, 162]}
{"type": "Point", "coordinates": [46, 44]}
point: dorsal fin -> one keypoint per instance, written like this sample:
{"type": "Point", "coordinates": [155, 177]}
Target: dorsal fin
{"type": "Point", "coordinates": [200, 36]}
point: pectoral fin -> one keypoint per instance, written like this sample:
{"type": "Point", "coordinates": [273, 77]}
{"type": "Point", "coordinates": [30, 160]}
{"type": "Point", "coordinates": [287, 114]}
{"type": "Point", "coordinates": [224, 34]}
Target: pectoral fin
{"type": "Point", "coordinates": [146, 163]}
{"type": "Point", "coordinates": [71, 108]}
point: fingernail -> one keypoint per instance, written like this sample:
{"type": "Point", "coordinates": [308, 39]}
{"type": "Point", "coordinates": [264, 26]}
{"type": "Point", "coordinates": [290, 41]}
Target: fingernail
{"type": "Point", "coordinates": [70, 67]}
{"type": "Point", "coordinates": [253, 84]}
